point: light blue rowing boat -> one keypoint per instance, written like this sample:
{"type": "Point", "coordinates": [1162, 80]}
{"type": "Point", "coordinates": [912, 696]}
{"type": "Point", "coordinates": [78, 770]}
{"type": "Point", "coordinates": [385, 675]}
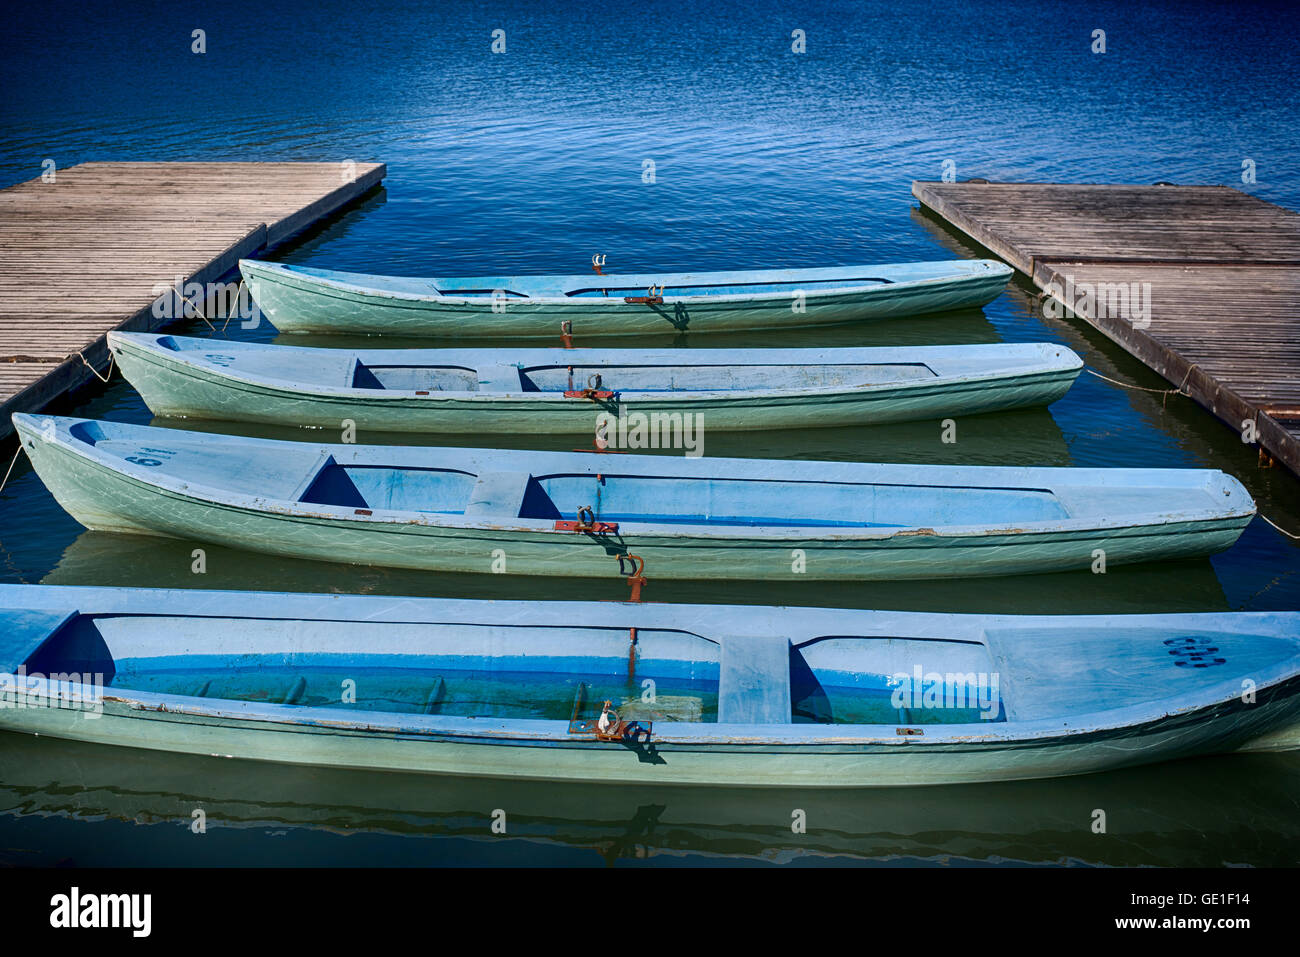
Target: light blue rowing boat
{"type": "Point", "coordinates": [649, 694]}
{"type": "Point", "coordinates": [302, 299]}
{"type": "Point", "coordinates": [570, 514]}
{"type": "Point", "coordinates": [565, 390]}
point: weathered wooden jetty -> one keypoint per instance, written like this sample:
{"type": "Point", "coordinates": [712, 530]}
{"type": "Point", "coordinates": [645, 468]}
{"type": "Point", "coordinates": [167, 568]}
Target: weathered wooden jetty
{"type": "Point", "coordinates": [1217, 273]}
{"type": "Point", "coordinates": [85, 252]}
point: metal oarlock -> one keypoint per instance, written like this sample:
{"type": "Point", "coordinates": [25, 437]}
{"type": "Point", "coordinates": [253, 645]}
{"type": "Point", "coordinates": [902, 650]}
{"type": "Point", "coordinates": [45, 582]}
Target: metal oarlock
{"type": "Point", "coordinates": [653, 296]}
{"type": "Point", "coordinates": [566, 333]}
{"type": "Point", "coordinates": [598, 262]}
{"type": "Point", "coordinates": [600, 441]}
{"type": "Point", "coordinates": [593, 390]}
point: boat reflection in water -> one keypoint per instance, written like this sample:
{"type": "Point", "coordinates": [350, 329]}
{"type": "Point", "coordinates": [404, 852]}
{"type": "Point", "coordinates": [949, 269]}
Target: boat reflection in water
{"type": "Point", "coordinates": [112, 559]}
{"type": "Point", "coordinates": [92, 804]}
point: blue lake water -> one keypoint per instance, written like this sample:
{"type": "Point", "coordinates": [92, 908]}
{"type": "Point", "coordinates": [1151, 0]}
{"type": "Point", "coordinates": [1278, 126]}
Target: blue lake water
{"type": "Point", "coordinates": [533, 160]}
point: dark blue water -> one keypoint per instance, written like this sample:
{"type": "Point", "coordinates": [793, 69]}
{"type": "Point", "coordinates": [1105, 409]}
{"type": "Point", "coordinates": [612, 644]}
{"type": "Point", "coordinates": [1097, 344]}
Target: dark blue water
{"type": "Point", "coordinates": [531, 161]}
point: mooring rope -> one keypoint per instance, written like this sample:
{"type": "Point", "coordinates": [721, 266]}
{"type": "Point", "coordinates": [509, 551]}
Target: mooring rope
{"type": "Point", "coordinates": [238, 288]}
{"type": "Point", "coordinates": [1277, 526]}
{"type": "Point", "coordinates": [108, 373]}
{"type": "Point", "coordinates": [12, 463]}
{"type": "Point", "coordinates": [1163, 393]}
{"type": "Point", "coordinates": [1126, 385]}
{"type": "Point", "coordinates": [195, 306]}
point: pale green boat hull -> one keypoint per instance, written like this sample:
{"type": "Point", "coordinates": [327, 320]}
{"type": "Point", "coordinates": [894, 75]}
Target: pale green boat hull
{"type": "Point", "coordinates": [884, 764]}
{"type": "Point", "coordinates": [174, 384]}
{"type": "Point", "coordinates": [206, 672]}
{"type": "Point", "coordinates": [323, 301]}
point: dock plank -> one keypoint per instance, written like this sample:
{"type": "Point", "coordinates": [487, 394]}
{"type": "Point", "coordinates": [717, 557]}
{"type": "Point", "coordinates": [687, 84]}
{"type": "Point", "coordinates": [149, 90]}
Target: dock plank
{"type": "Point", "coordinates": [89, 252]}
{"type": "Point", "coordinates": [1222, 269]}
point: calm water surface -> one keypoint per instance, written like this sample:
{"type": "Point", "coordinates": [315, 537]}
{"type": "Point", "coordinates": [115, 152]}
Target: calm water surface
{"type": "Point", "coordinates": [532, 161]}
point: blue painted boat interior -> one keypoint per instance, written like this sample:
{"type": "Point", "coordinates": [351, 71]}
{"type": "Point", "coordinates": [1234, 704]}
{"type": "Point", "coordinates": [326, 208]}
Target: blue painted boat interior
{"type": "Point", "coordinates": [343, 369]}
{"type": "Point", "coordinates": [750, 282]}
{"type": "Point", "coordinates": [727, 288]}
{"type": "Point", "coordinates": [774, 502]}
{"type": "Point", "coordinates": [440, 491]}
{"type": "Point", "coordinates": [685, 501]}
{"type": "Point", "coordinates": [417, 378]}
{"type": "Point", "coordinates": [617, 378]}
{"type": "Point", "coordinates": [621, 378]}
{"type": "Point", "coordinates": [483, 670]}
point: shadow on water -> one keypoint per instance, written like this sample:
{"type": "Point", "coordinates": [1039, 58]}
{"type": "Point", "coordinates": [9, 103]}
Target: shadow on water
{"type": "Point", "coordinates": [106, 558]}
{"type": "Point", "coordinates": [1239, 809]}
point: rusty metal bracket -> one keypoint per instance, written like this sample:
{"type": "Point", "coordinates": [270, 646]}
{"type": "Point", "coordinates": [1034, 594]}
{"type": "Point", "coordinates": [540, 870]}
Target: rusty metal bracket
{"type": "Point", "coordinates": [614, 730]}
{"type": "Point", "coordinates": [593, 390]}
{"type": "Point", "coordinates": [637, 580]}
{"type": "Point", "coordinates": [586, 522]}
{"type": "Point", "coordinates": [651, 297]}
{"type": "Point", "coordinates": [566, 333]}
{"type": "Point", "coordinates": [598, 261]}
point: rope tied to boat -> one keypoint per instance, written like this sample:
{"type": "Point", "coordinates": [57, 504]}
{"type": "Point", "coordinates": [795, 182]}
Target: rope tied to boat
{"type": "Point", "coordinates": [1164, 393]}
{"type": "Point", "coordinates": [107, 373]}
{"type": "Point", "coordinates": [239, 288]}
{"type": "Point", "coordinates": [12, 463]}
{"type": "Point", "coordinates": [195, 307]}
{"type": "Point", "coordinates": [1278, 527]}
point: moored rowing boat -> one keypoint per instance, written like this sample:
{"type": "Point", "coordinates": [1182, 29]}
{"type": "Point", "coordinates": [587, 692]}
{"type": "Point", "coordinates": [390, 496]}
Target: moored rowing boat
{"type": "Point", "coordinates": [553, 390]}
{"type": "Point", "coordinates": [570, 514]}
{"type": "Point", "coordinates": [304, 299]}
{"type": "Point", "coordinates": [745, 696]}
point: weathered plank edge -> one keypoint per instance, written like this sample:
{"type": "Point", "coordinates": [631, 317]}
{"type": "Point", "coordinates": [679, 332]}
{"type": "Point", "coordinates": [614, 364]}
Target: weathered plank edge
{"type": "Point", "coordinates": [1209, 392]}
{"type": "Point", "coordinates": [72, 374]}
{"type": "Point", "coordinates": [1224, 403]}
{"type": "Point", "coordinates": [935, 202]}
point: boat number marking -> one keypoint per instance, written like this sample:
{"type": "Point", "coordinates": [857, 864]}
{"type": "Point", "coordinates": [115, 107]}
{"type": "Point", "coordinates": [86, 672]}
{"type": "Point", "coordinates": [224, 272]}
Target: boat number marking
{"type": "Point", "coordinates": [146, 456]}
{"type": "Point", "coordinates": [219, 360]}
{"type": "Point", "coordinates": [1194, 652]}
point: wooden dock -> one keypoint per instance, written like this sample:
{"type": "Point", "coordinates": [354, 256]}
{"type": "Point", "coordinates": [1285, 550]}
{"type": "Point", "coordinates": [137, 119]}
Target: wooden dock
{"type": "Point", "coordinates": [86, 253]}
{"type": "Point", "coordinates": [1223, 269]}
